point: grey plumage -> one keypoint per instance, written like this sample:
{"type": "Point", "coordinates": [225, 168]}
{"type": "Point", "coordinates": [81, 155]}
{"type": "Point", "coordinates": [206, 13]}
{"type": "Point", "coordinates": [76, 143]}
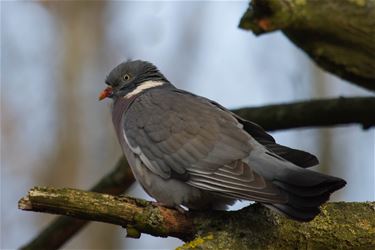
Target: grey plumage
{"type": "Point", "coordinates": [188, 150]}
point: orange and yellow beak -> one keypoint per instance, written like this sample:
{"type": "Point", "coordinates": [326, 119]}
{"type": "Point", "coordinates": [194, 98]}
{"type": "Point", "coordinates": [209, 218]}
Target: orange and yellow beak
{"type": "Point", "coordinates": [108, 92]}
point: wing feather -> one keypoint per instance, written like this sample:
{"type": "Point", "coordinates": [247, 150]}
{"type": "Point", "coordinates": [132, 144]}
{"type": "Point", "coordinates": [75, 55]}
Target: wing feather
{"type": "Point", "coordinates": [178, 135]}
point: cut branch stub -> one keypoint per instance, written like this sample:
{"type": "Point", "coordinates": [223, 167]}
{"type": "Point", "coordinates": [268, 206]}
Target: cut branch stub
{"type": "Point", "coordinates": [339, 35]}
{"type": "Point", "coordinates": [138, 214]}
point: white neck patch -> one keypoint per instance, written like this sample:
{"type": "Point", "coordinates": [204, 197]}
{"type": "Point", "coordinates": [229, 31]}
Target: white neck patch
{"type": "Point", "coordinates": [143, 86]}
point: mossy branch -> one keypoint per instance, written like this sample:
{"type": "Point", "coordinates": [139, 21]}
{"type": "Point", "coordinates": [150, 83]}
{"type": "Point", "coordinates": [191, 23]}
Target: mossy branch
{"type": "Point", "coordinates": [341, 225]}
{"type": "Point", "coordinates": [344, 225]}
{"type": "Point", "coordinates": [339, 35]}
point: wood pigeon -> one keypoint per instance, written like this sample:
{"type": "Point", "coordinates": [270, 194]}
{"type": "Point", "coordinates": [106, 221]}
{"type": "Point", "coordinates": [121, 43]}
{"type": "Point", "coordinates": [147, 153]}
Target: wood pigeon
{"type": "Point", "coordinates": [186, 150]}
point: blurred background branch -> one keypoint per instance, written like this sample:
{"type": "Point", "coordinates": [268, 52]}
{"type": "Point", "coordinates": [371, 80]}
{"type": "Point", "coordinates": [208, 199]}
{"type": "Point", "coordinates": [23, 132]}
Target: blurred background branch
{"type": "Point", "coordinates": [315, 113]}
{"type": "Point", "coordinates": [340, 225]}
{"type": "Point", "coordinates": [338, 35]}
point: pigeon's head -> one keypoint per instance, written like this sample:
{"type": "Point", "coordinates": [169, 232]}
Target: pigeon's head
{"type": "Point", "coordinates": [130, 78]}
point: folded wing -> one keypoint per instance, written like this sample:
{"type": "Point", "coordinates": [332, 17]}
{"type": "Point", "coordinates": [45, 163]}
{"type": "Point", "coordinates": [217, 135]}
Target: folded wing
{"type": "Point", "coordinates": [177, 135]}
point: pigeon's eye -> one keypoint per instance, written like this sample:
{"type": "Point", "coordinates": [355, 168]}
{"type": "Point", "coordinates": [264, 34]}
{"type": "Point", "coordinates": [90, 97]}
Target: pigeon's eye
{"type": "Point", "coordinates": [126, 77]}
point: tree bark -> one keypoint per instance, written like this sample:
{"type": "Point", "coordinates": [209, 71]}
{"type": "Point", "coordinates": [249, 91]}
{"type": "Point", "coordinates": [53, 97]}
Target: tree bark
{"type": "Point", "coordinates": [339, 35]}
{"type": "Point", "coordinates": [340, 225]}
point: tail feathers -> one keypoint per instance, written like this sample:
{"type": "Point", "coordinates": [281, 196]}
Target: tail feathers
{"type": "Point", "coordinates": [304, 201]}
{"type": "Point", "coordinates": [312, 191]}
{"type": "Point", "coordinates": [306, 189]}
{"type": "Point", "coordinates": [300, 177]}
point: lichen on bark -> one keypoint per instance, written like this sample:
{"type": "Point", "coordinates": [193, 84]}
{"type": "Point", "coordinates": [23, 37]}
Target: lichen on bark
{"type": "Point", "coordinates": [340, 226]}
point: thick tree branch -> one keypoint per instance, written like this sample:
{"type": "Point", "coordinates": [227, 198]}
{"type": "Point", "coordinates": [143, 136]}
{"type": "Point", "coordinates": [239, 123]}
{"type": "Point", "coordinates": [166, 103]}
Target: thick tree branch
{"type": "Point", "coordinates": [340, 224]}
{"type": "Point", "coordinates": [314, 113]}
{"type": "Point", "coordinates": [339, 35]}
{"type": "Point", "coordinates": [63, 228]}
